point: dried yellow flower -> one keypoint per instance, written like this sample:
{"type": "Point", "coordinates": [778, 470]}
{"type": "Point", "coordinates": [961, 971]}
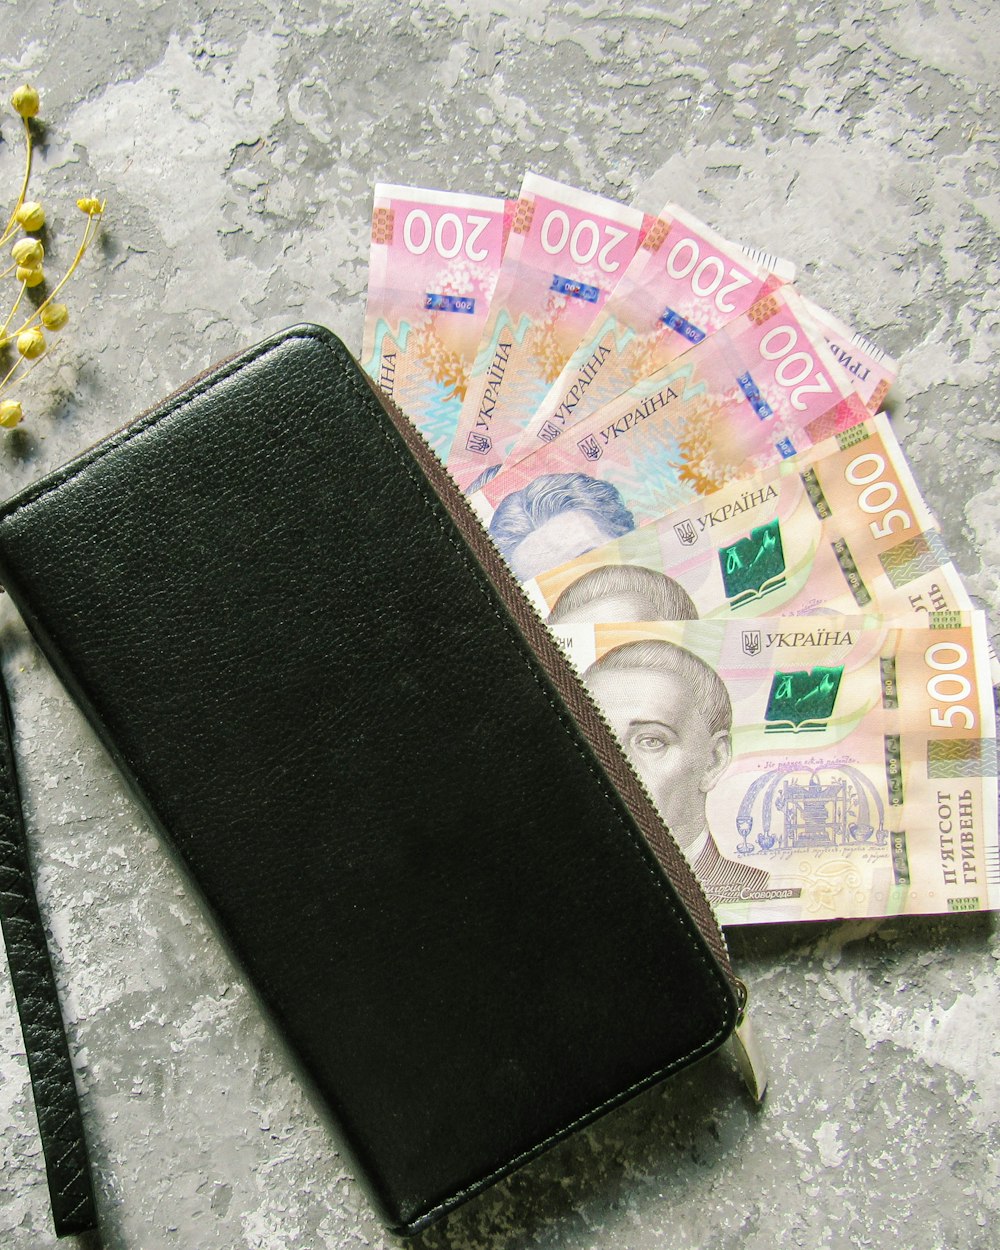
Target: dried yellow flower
{"type": "Point", "coordinates": [25, 101]}
{"type": "Point", "coordinates": [31, 344]}
{"type": "Point", "coordinates": [10, 413]}
{"type": "Point", "coordinates": [54, 316]}
{"type": "Point", "coordinates": [28, 252]}
{"type": "Point", "coordinates": [30, 216]}
{"type": "Point", "coordinates": [29, 319]}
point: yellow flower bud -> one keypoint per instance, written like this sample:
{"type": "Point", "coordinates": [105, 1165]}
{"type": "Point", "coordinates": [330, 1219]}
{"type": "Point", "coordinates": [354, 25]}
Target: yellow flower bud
{"type": "Point", "coordinates": [10, 414]}
{"type": "Point", "coordinates": [31, 344]}
{"type": "Point", "coordinates": [30, 216]}
{"type": "Point", "coordinates": [30, 275]}
{"type": "Point", "coordinates": [25, 101]}
{"type": "Point", "coordinates": [54, 316]}
{"type": "Point", "coordinates": [92, 207]}
{"type": "Point", "coordinates": [28, 252]}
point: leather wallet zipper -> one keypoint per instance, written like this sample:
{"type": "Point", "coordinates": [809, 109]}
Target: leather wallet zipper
{"type": "Point", "coordinates": [749, 1056]}
{"type": "Point", "coordinates": [591, 721]}
{"type": "Point", "coordinates": [587, 714]}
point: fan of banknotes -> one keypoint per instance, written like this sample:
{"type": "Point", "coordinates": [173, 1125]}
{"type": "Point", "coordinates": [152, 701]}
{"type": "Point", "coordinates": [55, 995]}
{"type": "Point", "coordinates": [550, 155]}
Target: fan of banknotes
{"type": "Point", "coordinates": [684, 462]}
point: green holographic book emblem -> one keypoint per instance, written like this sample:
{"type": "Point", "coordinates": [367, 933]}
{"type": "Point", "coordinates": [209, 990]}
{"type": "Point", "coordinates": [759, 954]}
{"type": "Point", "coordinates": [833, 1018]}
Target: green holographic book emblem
{"type": "Point", "coordinates": [753, 566]}
{"type": "Point", "coordinates": [802, 701]}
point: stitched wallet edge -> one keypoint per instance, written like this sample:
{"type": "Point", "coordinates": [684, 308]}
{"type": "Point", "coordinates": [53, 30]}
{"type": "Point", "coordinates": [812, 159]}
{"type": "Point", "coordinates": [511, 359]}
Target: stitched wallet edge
{"type": "Point", "coordinates": [537, 648]}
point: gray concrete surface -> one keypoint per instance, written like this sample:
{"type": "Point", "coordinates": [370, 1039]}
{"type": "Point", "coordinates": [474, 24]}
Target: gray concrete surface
{"type": "Point", "coordinates": [237, 146]}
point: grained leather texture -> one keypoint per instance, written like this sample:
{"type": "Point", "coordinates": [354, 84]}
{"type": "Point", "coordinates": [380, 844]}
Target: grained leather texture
{"type": "Point", "coordinates": [284, 640]}
{"type": "Point", "coordinates": [53, 1086]}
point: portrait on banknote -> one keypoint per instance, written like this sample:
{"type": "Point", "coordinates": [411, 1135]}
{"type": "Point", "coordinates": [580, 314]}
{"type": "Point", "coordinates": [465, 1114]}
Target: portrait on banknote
{"type": "Point", "coordinates": [672, 446]}
{"type": "Point", "coordinates": [673, 715]}
{"type": "Point", "coordinates": [811, 767]}
{"type": "Point", "coordinates": [622, 592]}
{"type": "Point", "coordinates": [555, 517]}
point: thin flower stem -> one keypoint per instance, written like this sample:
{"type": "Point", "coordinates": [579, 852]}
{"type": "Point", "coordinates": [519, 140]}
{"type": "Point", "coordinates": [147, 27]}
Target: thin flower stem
{"type": "Point", "coordinates": [8, 230]}
{"type": "Point", "coordinates": [13, 310]}
{"type": "Point", "coordinates": [5, 385]}
{"type": "Point", "coordinates": [10, 373]}
{"type": "Point", "coordinates": [85, 242]}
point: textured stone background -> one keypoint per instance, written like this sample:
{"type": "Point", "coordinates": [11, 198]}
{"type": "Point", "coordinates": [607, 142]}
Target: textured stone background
{"type": "Point", "coordinates": [237, 145]}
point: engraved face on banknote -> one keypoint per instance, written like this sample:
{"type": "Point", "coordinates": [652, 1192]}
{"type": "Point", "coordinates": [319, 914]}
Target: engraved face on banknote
{"type": "Point", "coordinates": [673, 715]}
{"type": "Point", "coordinates": [812, 767]}
{"type": "Point", "coordinates": [556, 517]}
{"type": "Point", "coordinates": [622, 592]}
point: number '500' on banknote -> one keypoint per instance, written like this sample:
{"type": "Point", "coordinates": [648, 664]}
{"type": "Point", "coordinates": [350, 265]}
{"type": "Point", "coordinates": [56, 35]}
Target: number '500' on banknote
{"type": "Point", "coordinates": [839, 528]}
{"type": "Point", "coordinates": [811, 768]}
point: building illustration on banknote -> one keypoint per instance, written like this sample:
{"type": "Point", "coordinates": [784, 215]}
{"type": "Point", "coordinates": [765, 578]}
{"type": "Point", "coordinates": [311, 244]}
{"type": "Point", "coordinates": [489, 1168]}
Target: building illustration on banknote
{"type": "Point", "coordinates": [797, 808]}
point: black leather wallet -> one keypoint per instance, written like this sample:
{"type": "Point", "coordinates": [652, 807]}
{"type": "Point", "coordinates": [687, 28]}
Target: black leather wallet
{"type": "Point", "coordinates": [415, 830]}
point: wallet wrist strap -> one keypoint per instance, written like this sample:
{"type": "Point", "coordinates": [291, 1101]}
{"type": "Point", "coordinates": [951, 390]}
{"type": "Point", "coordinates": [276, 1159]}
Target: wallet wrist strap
{"type": "Point", "coordinates": [52, 1082]}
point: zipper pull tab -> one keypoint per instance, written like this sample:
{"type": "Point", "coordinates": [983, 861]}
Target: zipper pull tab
{"type": "Point", "coordinates": [749, 1056]}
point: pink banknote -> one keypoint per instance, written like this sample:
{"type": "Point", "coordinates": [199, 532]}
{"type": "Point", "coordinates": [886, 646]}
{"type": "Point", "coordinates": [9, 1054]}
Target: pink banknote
{"type": "Point", "coordinates": [758, 391]}
{"type": "Point", "coordinates": [435, 257]}
{"type": "Point", "coordinates": [684, 283]}
{"type": "Point", "coordinates": [566, 252]}
{"type": "Point", "coordinates": [872, 370]}
{"type": "Point", "coordinates": [839, 528]}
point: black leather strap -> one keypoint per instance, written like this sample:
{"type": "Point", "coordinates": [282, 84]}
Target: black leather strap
{"type": "Point", "coordinates": [52, 1082]}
